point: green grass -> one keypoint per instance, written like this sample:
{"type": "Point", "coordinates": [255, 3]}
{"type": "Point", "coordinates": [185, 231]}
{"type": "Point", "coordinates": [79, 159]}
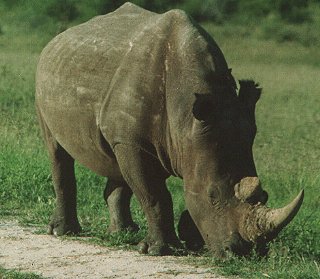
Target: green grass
{"type": "Point", "coordinates": [13, 274]}
{"type": "Point", "coordinates": [287, 149]}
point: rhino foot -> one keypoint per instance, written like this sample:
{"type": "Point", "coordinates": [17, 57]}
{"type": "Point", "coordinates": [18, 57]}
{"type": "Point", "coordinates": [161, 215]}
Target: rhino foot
{"type": "Point", "coordinates": [159, 248]}
{"type": "Point", "coordinates": [60, 227]}
{"type": "Point", "coordinates": [133, 227]}
{"type": "Point", "coordinates": [155, 249]}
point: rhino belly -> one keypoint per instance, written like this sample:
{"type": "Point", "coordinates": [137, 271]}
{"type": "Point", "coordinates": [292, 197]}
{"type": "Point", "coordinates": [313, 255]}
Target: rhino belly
{"type": "Point", "coordinates": [78, 133]}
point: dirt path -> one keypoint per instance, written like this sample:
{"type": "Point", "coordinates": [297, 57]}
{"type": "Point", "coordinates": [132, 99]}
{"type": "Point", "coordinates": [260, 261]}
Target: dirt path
{"type": "Point", "coordinates": [57, 258]}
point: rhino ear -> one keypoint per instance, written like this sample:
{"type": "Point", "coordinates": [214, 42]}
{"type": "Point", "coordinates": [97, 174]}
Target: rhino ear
{"type": "Point", "coordinates": [249, 93]}
{"type": "Point", "coordinates": [203, 106]}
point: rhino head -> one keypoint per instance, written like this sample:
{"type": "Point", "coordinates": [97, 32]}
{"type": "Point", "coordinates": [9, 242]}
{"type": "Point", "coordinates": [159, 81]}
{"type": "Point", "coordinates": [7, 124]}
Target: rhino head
{"type": "Point", "coordinates": [222, 191]}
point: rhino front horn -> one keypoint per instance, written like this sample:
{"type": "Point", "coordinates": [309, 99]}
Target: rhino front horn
{"type": "Point", "coordinates": [267, 223]}
{"type": "Point", "coordinates": [277, 219]}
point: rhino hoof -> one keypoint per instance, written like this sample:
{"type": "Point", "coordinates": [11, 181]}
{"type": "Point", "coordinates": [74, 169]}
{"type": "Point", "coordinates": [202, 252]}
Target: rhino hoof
{"type": "Point", "coordinates": [129, 228]}
{"type": "Point", "coordinates": [160, 248]}
{"type": "Point", "coordinates": [58, 228]}
{"type": "Point", "coordinates": [155, 249]}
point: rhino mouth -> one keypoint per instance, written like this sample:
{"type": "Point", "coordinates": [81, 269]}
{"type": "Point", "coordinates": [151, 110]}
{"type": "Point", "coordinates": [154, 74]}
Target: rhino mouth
{"type": "Point", "coordinates": [189, 233]}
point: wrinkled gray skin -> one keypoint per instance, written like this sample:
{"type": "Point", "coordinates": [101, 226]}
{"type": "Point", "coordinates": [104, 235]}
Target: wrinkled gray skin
{"type": "Point", "coordinates": [117, 94]}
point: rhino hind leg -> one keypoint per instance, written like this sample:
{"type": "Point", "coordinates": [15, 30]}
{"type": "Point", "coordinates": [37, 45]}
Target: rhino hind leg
{"type": "Point", "coordinates": [64, 220]}
{"type": "Point", "coordinates": [146, 178]}
{"type": "Point", "coordinates": [117, 196]}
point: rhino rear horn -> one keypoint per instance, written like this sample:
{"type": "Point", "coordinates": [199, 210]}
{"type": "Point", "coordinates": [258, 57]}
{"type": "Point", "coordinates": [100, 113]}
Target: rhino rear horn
{"type": "Point", "coordinates": [249, 190]}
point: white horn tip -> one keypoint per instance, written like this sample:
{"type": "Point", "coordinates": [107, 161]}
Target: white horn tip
{"type": "Point", "coordinates": [286, 214]}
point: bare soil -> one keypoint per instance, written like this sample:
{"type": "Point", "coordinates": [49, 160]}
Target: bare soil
{"type": "Point", "coordinates": [48, 256]}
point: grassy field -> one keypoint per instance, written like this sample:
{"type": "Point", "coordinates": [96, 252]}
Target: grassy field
{"type": "Point", "coordinates": [287, 149]}
{"type": "Point", "coordinates": [12, 274]}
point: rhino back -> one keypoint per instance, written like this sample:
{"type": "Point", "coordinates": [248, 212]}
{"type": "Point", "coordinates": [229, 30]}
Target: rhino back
{"type": "Point", "coordinates": [78, 64]}
{"type": "Point", "coordinates": [95, 78]}
{"type": "Point", "coordinates": [119, 78]}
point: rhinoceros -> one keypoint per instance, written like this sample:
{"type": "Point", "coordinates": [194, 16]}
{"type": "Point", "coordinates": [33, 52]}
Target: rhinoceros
{"type": "Point", "coordinates": [137, 97]}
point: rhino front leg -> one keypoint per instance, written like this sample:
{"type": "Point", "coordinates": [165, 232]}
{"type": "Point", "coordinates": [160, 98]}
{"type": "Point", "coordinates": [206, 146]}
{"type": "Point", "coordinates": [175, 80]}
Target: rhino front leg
{"type": "Point", "coordinates": [117, 196]}
{"type": "Point", "coordinates": [146, 178]}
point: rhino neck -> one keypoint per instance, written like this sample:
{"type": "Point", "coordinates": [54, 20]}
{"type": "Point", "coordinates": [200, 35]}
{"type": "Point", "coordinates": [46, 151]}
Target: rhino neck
{"type": "Point", "coordinates": [191, 56]}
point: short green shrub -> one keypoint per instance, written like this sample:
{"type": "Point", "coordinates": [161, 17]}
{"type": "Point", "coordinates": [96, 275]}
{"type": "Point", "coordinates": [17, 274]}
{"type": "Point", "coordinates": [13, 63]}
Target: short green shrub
{"type": "Point", "coordinates": [214, 10]}
{"type": "Point", "coordinates": [10, 3]}
{"type": "Point", "coordinates": [294, 11]}
{"type": "Point", "coordinates": [275, 29]}
{"type": "Point", "coordinates": [250, 9]}
{"type": "Point", "coordinates": [108, 6]}
{"type": "Point", "coordinates": [13, 274]}
{"type": "Point", "coordinates": [63, 10]}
